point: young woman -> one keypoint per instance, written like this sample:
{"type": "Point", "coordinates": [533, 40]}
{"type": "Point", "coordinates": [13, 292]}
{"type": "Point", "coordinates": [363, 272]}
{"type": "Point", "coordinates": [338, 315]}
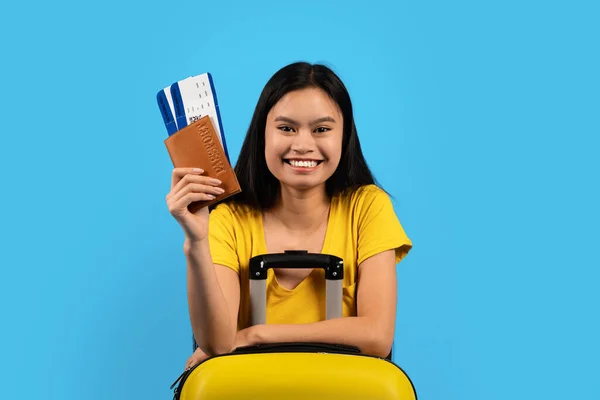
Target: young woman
{"type": "Point", "coordinates": [305, 186]}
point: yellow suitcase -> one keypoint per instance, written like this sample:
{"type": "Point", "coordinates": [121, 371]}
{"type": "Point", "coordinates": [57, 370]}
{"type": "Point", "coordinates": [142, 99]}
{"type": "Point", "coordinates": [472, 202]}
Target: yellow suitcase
{"type": "Point", "coordinates": [295, 370]}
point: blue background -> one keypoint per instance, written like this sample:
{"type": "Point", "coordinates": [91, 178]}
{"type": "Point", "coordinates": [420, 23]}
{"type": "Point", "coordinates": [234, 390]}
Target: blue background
{"type": "Point", "coordinates": [481, 118]}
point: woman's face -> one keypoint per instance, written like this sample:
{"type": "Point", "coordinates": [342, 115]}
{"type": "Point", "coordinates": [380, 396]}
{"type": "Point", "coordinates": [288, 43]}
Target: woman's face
{"type": "Point", "coordinates": [303, 138]}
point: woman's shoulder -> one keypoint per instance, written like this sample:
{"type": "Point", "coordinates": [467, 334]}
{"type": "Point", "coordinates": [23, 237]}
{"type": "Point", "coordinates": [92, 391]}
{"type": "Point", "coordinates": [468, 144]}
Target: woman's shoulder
{"type": "Point", "coordinates": [234, 211]}
{"type": "Point", "coordinates": [370, 190]}
{"type": "Point", "coordinates": [363, 196]}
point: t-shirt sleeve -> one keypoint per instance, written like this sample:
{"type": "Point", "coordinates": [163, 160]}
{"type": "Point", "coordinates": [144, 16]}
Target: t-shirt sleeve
{"type": "Point", "coordinates": [222, 238]}
{"type": "Point", "coordinates": [379, 228]}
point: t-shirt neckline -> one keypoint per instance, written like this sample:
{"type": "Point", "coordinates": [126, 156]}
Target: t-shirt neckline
{"type": "Point", "coordinates": [324, 248]}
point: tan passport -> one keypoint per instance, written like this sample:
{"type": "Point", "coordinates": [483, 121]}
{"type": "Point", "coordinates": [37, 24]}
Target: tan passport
{"type": "Point", "coordinates": [198, 146]}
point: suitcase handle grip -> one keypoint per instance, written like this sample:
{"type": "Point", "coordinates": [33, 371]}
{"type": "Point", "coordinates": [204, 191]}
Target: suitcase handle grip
{"type": "Point", "coordinates": [259, 266]}
{"type": "Point", "coordinates": [333, 266]}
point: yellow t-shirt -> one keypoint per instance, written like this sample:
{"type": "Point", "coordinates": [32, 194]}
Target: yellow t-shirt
{"type": "Point", "coordinates": [360, 225]}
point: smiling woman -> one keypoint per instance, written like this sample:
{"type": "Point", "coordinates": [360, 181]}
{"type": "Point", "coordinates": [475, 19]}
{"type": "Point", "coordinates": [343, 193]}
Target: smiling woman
{"type": "Point", "coordinates": [305, 186]}
{"type": "Point", "coordinates": [303, 141]}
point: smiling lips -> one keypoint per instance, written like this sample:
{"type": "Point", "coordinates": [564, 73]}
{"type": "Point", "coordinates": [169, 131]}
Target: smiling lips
{"type": "Point", "coordinates": [308, 164]}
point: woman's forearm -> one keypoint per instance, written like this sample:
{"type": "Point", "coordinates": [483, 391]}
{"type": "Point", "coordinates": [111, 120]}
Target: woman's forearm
{"type": "Point", "coordinates": [362, 332]}
{"type": "Point", "coordinates": [208, 309]}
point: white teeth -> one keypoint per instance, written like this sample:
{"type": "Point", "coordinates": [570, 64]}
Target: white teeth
{"type": "Point", "coordinates": [305, 164]}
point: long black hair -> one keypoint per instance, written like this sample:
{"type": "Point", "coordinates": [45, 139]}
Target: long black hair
{"type": "Point", "coordinates": [260, 188]}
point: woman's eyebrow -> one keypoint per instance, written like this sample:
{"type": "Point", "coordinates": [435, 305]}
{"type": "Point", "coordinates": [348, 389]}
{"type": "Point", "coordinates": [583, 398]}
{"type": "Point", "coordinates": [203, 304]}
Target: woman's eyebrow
{"type": "Point", "coordinates": [294, 122]}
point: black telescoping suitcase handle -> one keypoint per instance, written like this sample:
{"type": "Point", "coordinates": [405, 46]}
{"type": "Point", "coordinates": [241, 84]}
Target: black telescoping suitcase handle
{"type": "Point", "coordinates": [259, 265]}
{"type": "Point", "coordinates": [333, 266]}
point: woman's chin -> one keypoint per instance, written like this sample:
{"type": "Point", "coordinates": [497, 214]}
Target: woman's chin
{"type": "Point", "coordinates": [302, 184]}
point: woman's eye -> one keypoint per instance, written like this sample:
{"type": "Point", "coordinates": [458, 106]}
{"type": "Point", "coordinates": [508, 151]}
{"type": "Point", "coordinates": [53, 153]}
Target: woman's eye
{"type": "Point", "coordinates": [286, 128]}
{"type": "Point", "coordinates": [322, 129]}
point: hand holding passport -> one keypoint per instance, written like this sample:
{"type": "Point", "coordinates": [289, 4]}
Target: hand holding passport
{"type": "Point", "coordinates": [196, 140]}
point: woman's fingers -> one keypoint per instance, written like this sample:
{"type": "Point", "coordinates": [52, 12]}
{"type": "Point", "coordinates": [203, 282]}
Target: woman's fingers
{"type": "Point", "coordinates": [193, 178]}
{"type": "Point", "coordinates": [189, 186]}
{"type": "Point", "coordinates": [195, 358]}
{"type": "Point", "coordinates": [197, 188]}
{"type": "Point", "coordinates": [182, 204]}
{"type": "Point", "coordinates": [179, 173]}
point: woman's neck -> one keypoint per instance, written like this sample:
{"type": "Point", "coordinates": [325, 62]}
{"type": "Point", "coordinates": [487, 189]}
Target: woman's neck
{"type": "Point", "coordinates": [301, 210]}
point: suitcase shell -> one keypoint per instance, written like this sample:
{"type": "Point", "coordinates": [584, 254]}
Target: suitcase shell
{"type": "Point", "coordinates": [292, 376]}
{"type": "Point", "coordinates": [295, 370]}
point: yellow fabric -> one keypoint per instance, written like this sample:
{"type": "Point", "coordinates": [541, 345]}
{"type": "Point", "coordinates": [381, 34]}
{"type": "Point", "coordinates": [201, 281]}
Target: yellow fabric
{"type": "Point", "coordinates": [297, 376]}
{"type": "Point", "coordinates": [360, 225]}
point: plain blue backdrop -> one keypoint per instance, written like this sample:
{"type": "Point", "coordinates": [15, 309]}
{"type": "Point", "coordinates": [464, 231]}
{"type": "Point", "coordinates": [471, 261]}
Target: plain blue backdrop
{"type": "Point", "coordinates": [481, 118]}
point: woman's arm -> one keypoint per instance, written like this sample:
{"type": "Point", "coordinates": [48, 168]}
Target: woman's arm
{"type": "Point", "coordinates": [213, 299]}
{"type": "Point", "coordinates": [372, 330]}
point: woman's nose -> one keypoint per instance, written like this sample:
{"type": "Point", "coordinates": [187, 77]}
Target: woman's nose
{"type": "Point", "coordinates": [303, 142]}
